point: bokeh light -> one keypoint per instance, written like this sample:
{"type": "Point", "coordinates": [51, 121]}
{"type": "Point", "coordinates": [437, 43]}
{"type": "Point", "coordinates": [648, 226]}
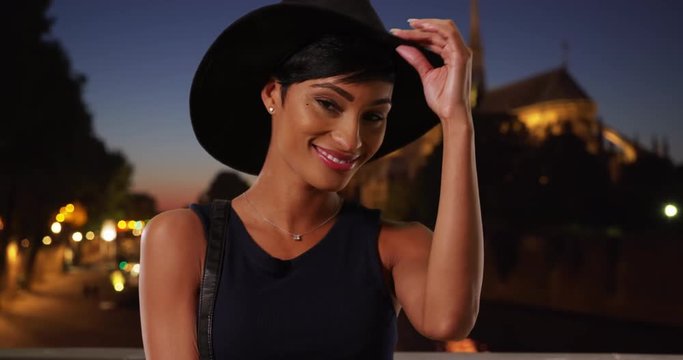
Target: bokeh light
{"type": "Point", "coordinates": [108, 232]}
{"type": "Point", "coordinates": [77, 236]}
{"type": "Point", "coordinates": [670, 210]}
{"type": "Point", "coordinates": [56, 228]}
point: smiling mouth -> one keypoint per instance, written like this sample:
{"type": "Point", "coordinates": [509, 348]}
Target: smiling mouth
{"type": "Point", "coordinates": [335, 162]}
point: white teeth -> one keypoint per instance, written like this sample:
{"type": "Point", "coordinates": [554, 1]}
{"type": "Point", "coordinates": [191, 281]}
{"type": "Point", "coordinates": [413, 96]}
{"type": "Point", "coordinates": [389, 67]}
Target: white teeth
{"type": "Point", "coordinates": [332, 158]}
{"type": "Point", "coordinates": [338, 161]}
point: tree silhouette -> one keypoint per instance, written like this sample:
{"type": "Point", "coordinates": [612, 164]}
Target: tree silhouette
{"type": "Point", "coordinates": [50, 156]}
{"type": "Point", "coordinates": [226, 185]}
{"type": "Point", "coordinates": [140, 206]}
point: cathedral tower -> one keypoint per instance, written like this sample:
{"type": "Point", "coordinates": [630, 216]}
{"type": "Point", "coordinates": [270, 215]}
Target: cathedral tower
{"type": "Point", "coordinates": [478, 74]}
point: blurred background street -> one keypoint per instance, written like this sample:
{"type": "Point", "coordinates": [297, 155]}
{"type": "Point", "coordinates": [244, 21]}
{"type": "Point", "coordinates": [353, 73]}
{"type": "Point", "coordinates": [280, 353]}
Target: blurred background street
{"type": "Point", "coordinates": [76, 307]}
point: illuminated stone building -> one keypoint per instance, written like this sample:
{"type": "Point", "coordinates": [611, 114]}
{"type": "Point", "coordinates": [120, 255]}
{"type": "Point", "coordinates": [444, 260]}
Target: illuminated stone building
{"type": "Point", "coordinates": [549, 102]}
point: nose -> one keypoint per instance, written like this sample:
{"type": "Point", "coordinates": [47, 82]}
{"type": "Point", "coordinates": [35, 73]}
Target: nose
{"type": "Point", "coordinates": [347, 134]}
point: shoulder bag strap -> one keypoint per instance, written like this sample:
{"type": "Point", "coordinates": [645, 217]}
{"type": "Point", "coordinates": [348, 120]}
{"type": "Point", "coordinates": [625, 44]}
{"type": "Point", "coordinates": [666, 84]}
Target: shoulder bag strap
{"type": "Point", "coordinates": [212, 270]}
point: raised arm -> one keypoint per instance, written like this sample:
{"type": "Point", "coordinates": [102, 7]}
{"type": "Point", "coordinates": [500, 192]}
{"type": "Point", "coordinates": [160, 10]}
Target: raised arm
{"type": "Point", "coordinates": [171, 263]}
{"type": "Point", "coordinates": [438, 277]}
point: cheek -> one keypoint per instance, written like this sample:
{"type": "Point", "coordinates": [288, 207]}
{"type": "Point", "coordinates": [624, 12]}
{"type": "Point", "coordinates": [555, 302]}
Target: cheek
{"type": "Point", "coordinates": [373, 136]}
{"type": "Point", "coordinates": [298, 125]}
{"type": "Point", "coordinates": [312, 119]}
{"type": "Point", "coordinates": [303, 118]}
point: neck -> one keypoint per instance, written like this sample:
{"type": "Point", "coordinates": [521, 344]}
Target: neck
{"type": "Point", "coordinates": [283, 198]}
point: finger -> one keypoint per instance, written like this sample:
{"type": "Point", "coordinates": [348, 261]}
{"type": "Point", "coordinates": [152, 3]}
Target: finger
{"type": "Point", "coordinates": [443, 23]}
{"type": "Point", "coordinates": [459, 49]}
{"type": "Point", "coordinates": [415, 58]}
{"type": "Point", "coordinates": [441, 51]}
{"type": "Point", "coordinates": [446, 22]}
{"type": "Point", "coordinates": [444, 27]}
{"type": "Point", "coordinates": [420, 36]}
{"type": "Point", "coordinates": [446, 34]}
{"type": "Point", "coordinates": [429, 41]}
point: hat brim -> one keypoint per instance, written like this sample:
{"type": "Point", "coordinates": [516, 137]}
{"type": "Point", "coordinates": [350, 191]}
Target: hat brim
{"type": "Point", "coordinates": [226, 110]}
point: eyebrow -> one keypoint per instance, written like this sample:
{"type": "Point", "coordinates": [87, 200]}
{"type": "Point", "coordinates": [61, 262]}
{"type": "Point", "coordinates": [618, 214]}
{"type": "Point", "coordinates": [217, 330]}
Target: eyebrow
{"type": "Point", "coordinates": [347, 95]}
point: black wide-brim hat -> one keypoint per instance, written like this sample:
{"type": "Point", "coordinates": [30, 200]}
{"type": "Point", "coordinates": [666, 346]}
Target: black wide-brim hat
{"type": "Point", "coordinates": [228, 116]}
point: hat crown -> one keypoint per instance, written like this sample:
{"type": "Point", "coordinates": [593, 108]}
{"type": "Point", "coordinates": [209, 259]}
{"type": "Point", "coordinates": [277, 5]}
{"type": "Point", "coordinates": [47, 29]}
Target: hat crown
{"type": "Point", "coordinates": [360, 10]}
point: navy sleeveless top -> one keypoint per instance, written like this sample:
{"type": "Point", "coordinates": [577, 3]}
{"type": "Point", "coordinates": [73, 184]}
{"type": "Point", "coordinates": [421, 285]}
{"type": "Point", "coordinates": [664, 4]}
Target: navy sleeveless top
{"type": "Point", "coordinates": [330, 302]}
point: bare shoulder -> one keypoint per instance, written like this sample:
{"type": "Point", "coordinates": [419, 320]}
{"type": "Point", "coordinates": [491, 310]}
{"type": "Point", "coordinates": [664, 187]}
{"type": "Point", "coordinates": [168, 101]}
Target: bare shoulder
{"type": "Point", "coordinates": [182, 219]}
{"type": "Point", "coordinates": [176, 234]}
{"type": "Point", "coordinates": [171, 252]}
{"type": "Point", "coordinates": [403, 239]}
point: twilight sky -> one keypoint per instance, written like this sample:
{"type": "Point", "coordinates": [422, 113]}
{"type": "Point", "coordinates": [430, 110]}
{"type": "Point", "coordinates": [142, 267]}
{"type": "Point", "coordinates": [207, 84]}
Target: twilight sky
{"type": "Point", "coordinates": [139, 58]}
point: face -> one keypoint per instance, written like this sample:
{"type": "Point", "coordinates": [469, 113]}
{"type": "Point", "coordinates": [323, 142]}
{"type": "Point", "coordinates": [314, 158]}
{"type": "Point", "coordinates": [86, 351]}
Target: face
{"type": "Point", "coordinates": [326, 130]}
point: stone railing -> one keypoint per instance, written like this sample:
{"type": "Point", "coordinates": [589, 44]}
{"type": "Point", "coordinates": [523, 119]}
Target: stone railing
{"type": "Point", "coordinates": [138, 354]}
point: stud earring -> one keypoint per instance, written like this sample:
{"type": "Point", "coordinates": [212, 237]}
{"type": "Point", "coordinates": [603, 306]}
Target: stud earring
{"type": "Point", "coordinates": [270, 110]}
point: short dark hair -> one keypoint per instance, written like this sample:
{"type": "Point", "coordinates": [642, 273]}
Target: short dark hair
{"type": "Point", "coordinates": [360, 58]}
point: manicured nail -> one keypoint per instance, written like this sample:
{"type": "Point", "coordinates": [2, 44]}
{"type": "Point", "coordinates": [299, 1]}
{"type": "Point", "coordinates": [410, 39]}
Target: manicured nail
{"type": "Point", "coordinates": [411, 20]}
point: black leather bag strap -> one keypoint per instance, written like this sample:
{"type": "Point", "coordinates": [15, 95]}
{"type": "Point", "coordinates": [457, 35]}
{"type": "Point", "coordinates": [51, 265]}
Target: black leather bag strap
{"type": "Point", "coordinates": [213, 263]}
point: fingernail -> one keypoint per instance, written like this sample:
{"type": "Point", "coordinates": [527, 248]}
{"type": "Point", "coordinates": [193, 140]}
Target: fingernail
{"type": "Point", "coordinates": [394, 30]}
{"type": "Point", "coordinates": [411, 20]}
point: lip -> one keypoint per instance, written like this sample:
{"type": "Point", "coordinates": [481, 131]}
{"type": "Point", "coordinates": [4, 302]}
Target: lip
{"type": "Point", "coordinates": [333, 165]}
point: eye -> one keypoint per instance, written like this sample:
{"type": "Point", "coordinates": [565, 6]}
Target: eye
{"type": "Point", "coordinates": [374, 117]}
{"type": "Point", "coordinates": [327, 105]}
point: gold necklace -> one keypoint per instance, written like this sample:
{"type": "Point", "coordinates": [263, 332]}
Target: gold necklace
{"type": "Point", "coordinates": [295, 236]}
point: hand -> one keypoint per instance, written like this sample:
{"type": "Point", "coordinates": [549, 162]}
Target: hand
{"type": "Point", "coordinates": [446, 88]}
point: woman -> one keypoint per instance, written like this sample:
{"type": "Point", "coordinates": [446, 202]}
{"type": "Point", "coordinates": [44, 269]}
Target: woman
{"type": "Point", "coordinates": [308, 275]}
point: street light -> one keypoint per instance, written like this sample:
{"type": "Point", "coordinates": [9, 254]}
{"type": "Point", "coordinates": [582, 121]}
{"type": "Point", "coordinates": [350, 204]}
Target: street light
{"type": "Point", "coordinates": [108, 232]}
{"type": "Point", "coordinates": [670, 210]}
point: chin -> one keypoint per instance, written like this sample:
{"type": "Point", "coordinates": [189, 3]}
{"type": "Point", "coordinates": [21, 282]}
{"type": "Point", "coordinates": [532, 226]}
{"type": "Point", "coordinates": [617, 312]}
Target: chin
{"type": "Point", "coordinates": [330, 182]}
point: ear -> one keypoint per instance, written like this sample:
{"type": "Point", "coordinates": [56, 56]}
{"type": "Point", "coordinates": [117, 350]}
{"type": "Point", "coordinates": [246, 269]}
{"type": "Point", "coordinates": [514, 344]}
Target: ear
{"type": "Point", "coordinates": [270, 94]}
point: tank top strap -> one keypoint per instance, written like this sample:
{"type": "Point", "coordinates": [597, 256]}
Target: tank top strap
{"type": "Point", "coordinates": [367, 225]}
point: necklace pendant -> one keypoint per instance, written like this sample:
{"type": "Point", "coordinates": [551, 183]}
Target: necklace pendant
{"type": "Point", "coordinates": [296, 237]}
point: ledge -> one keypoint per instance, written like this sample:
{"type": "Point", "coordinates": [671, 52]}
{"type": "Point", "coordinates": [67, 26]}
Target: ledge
{"type": "Point", "coordinates": [138, 354]}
